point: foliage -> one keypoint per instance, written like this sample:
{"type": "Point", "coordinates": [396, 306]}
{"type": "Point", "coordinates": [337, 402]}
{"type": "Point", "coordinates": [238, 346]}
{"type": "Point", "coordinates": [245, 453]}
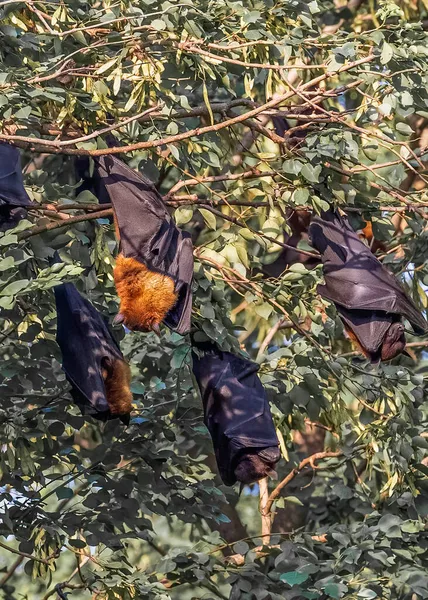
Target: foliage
{"type": "Point", "coordinates": [140, 509]}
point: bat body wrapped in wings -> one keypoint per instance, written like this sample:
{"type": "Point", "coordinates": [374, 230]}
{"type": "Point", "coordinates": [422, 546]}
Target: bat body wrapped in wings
{"type": "Point", "coordinates": [154, 270]}
{"type": "Point", "coordinates": [237, 415]}
{"type": "Point", "coordinates": [91, 358]}
{"type": "Point", "coordinates": [13, 198]}
{"type": "Point", "coordinates": [369, 299]}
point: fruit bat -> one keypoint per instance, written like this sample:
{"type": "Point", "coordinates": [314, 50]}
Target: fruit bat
{"type": "Point", "coordinates": [154, 269]}
{"type": "Point", "coordinates": [368, 298]}
{"type": "Point", "coordinates": [236, 413]}
{"type": "Point", "coordinates": [91, 358]}
{"type": "Point", "coordinates": [13, 198]}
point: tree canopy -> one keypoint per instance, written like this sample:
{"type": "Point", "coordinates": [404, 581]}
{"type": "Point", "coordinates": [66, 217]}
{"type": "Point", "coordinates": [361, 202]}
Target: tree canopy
{"type": "Point", "coordinates": [189, 90]}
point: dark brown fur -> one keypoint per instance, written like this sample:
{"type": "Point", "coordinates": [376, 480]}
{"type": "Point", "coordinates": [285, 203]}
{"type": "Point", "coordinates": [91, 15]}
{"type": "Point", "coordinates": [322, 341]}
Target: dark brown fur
{"type": "Point", "coordinates": [145, 296]}
{"type": "Point", "coordinates": [394, 342]}
{"type": "Point", "coordinates": [117, 379]}
{"type": "Point", "coordinates": [252, 468]}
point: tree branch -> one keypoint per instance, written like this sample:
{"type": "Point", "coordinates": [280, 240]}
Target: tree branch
{"type": "Point", "coordinates": [309, 460]}
{"type": "Point", "coordinates": [11, 571]}
{"type": "Point", "coordinates": [266, 515]}
{"type": "Point", "coordinates": [45, 561]}
{"type": "Point", "coordinates": [24, 235]}
{"type": "Point", "coordinates": [54, 147]}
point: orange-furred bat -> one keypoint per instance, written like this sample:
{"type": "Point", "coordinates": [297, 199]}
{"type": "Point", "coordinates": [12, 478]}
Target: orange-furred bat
{"type": "Point", "coordinates": [154, 269]}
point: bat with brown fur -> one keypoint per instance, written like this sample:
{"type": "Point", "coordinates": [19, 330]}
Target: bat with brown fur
{"type": "Point", "coordinates": [369, 299]}
{"type": "Point", "coordinates": [253, 467]}
{"type": "Point", "coordinates": [91, 358]}
{"type": "Point", "coordinates": [154, 269]}
{"type": "Point", "coordinates": [117, 380]}
{"type": "Point", "coordinates": [236, 413]}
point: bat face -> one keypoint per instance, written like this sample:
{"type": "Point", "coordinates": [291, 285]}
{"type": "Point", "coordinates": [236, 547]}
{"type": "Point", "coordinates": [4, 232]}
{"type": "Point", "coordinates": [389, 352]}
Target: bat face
{"type": "Point", "coordinates": [394, 342]}
{"type": "Point", "coordinates": [10, 216]}
{"type": "Point", "coordinates": [252, 468]}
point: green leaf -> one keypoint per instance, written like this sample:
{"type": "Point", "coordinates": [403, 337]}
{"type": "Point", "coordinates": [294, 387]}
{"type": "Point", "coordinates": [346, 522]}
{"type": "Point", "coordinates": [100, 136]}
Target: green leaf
{"type": "Point", "coordinates": [294, 577]}
{"type": "Point", "coordinates": [387, 53]}
{"type": "Point", "coordinates": [264, 310]}
{"type": "Point", "coordinates": [76, 543]}
{"type": "Point", "coordinates": [209, 218]}
{"type": "Point", "coordinates": [183, 215]}
{"type": "Point", "coordinates": [137, 387]}
{"type": "Point", "coordinates": [311, 173]}
{"type": "Point", "coordinates": [158, 24]}
{"type": "Point", "coordinates": [64, 492]}
{"type": "Point", "coordinates": [14, 288]}
{"type": "Point", "coordinates": [241, 547]}
{"type": "Point", "coordinates": [293, 500]}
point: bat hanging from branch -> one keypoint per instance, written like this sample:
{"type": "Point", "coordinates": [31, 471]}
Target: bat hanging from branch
{"type": "Point", "coordinates": [154, 270]}
{"type": "Point", "coordinates": [236, 413]}
{"type": "Point", "coordinates": [369, 299]}
{"type": "Point", "coordinates": [91, 358]}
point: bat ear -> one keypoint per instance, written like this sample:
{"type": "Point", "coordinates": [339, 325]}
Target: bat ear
{"type": "Point", "coordinates": [119, 318]}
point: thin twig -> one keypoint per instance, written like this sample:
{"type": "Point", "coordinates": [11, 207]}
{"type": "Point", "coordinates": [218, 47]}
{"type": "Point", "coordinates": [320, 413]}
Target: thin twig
{"type": "Point", "coordinates": [11, 571]}
{"type": "Point", "coordinates": [102, 214]}
{"type": "Point", "coordinates": [45, 561]}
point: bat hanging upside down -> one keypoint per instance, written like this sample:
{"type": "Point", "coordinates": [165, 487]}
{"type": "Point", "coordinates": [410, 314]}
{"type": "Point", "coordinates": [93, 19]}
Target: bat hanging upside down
{"type": "Point", "coordinates": [154, 269]}
{"type": "Point", "coordinates": [369, 299]}
{"type": "Point", "coordinates": [91, 357]}
{"type": "Point", "coordinates": [236, 413]}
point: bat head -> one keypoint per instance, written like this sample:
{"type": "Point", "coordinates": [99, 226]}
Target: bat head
{"type": "Point", "coordinates": [252, 468]}
{"type": "Point", "coordinates": [394, 341]}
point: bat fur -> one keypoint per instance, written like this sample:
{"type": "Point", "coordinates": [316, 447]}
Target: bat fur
{"type": "Point", "coordinates": [145, 296]}
{"type": "Point", "coordinates": [117, 379]}
{"type": "Point", "coordinates": [252, 468]}
{"type": "Point", "coordinates": [393, 344]}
